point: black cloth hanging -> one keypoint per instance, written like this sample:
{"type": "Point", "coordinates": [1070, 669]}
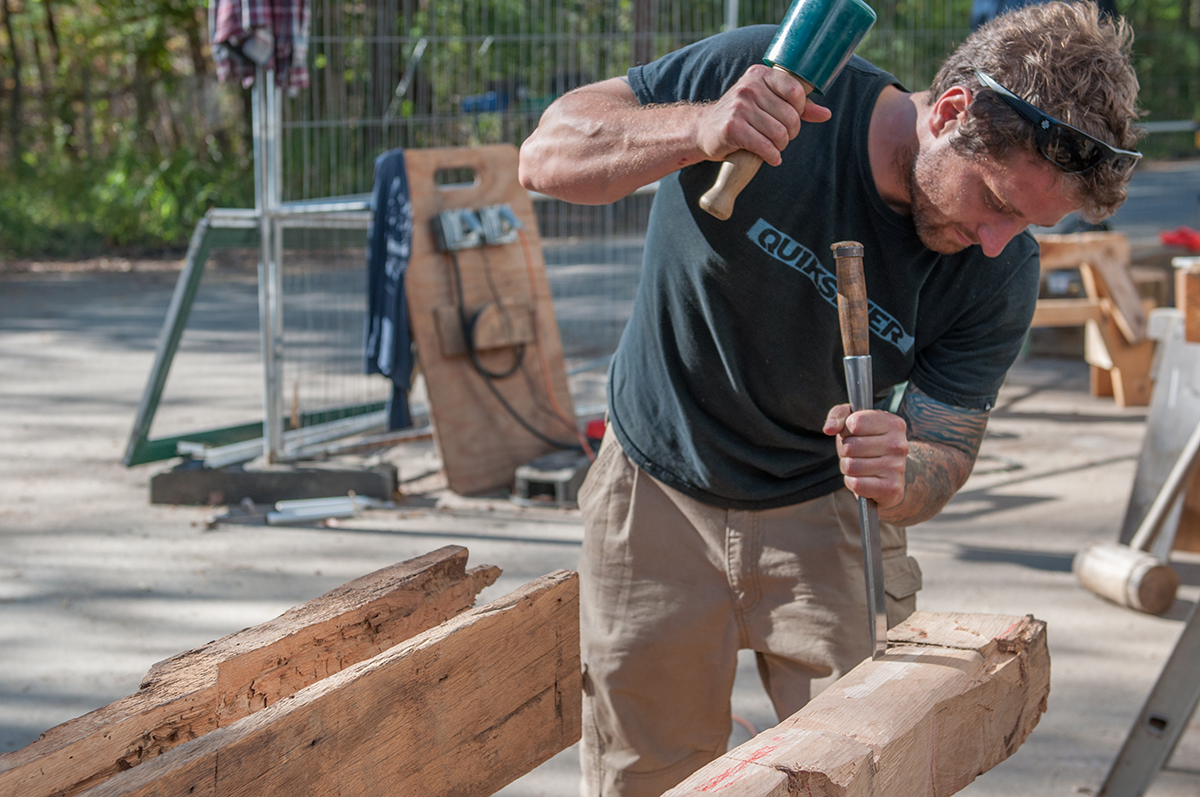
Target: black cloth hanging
{"type": "Point", "coordinates": [388, 340]}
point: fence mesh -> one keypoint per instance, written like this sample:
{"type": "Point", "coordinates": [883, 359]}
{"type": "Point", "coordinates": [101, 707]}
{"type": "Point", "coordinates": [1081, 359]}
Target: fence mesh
{"type": "Point", "coordinates": [469, 72]}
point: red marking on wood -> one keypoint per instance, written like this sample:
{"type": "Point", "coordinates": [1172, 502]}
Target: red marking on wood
{"type": "Point", "coordinates": [733, 771]}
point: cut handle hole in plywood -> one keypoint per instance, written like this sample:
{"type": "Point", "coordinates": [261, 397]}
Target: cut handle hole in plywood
{"type": "Point", "coordinates": [455, 177]}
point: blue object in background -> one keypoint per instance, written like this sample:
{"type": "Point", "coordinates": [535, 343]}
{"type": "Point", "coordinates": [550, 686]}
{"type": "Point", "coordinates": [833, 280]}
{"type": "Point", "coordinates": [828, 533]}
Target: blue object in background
{"type": "Point", "coordinates": [986, 10]}
{"type": "Point", "coordinates": [487, 102]}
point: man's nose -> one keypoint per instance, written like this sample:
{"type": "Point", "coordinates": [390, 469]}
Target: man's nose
{"type": "Point", "coordinates": [994, 236]}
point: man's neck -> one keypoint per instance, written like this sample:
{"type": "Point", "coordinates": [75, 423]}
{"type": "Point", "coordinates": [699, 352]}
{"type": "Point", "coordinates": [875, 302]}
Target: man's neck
{"type": "Point", "coordinates": [892, 143]}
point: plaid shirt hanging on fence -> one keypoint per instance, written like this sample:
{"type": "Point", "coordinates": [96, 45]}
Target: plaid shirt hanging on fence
{"type": "Point", "coordinates": [268, 33]}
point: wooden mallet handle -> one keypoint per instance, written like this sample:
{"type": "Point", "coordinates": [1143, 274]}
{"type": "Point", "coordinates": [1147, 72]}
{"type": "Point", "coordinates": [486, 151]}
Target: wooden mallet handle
{"type": "Point", "coordinates": [852, 298]}
{"type": "Point", "coordinates": [736, 172]}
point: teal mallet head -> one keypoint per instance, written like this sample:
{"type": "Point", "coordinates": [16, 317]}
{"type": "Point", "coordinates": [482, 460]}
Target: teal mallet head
{"type": "Point", "coordinates": [817, 38]}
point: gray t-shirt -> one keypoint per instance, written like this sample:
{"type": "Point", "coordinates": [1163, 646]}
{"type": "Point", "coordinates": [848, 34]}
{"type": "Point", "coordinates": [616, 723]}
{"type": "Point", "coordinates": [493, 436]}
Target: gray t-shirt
{"type": "Point", "coordinates": [733, 355]}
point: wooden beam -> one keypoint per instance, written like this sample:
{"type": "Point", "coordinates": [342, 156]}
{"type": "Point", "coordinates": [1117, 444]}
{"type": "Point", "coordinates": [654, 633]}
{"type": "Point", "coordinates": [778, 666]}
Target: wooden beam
{"type": "Point", "coordinates": [1107, 347]}
{"type": "Point", "coordinates": [1065, 312]}
{"type": "Point", "coordinates": [1110, 254]}
{"type": "Point", "coordinates": [1187, 298]}
{"type": "Point", "coordinates": [461, 709]}
{"type": "Point", "coordinates": [192, 694]}
{"type": "Point", "coordinates": [955, 695]}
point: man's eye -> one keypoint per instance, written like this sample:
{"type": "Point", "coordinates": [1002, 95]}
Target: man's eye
{"type": "Point", "coordinates": [993, 203]}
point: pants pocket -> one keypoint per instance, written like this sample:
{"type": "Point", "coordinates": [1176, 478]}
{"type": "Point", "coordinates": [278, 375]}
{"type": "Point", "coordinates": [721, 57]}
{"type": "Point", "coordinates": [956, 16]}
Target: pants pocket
{"type": "Point", "coordinates": [901, 582]}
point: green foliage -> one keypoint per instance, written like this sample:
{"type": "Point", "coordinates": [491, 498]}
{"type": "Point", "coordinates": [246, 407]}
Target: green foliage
{"type": "Point", "coordinates": [39, 220]}
{"type": "Point", "coordinates": [115, 134]}
{"type": "Point", "coordinates": [118, 137]}
{"type": "Point", "coordinates": [132, 198]}
{"type": "Point", "coordinates": [62, 209]}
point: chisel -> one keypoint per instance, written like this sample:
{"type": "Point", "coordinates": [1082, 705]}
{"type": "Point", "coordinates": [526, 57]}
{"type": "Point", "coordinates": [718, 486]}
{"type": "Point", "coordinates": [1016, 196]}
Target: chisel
{"type": "Point", "coordinates": [856, 337]}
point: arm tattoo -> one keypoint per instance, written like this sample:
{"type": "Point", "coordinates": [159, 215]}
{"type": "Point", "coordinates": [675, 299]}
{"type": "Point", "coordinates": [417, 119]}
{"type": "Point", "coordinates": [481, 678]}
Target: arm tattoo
{"type": "Point", "coordinates": [932, 421]}
{"type": "Point", "coordinates": [943, 443]}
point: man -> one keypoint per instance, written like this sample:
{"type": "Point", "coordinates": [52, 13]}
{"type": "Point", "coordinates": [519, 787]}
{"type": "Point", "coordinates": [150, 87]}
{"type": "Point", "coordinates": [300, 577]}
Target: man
{"type": "Point", "coordinates": [720, 511]}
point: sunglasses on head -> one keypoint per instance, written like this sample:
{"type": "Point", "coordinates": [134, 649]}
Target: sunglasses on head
{"type": "Point", "coordinates": [1068, 148]}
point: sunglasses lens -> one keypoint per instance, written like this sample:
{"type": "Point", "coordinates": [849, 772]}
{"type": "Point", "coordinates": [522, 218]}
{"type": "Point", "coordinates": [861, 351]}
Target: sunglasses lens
{"type": "Point", "coordinates": [1072, 150]}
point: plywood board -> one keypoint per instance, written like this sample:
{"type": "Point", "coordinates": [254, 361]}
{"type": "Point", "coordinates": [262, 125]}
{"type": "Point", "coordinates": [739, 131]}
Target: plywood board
{"type": "Point", "coordinates": [481, 444]}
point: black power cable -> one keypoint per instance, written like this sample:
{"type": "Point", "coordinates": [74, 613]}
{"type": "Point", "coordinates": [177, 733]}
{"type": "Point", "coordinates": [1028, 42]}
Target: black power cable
{"type": "Point", "coordinates": [489, 377]}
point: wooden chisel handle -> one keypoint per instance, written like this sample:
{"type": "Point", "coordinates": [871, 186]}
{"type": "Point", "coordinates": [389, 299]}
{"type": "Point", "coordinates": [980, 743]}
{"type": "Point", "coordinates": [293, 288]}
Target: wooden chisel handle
{"type": "Point", "coordinates": [737, 171]}
{"type": "Point", "coordinates": [852, 298]}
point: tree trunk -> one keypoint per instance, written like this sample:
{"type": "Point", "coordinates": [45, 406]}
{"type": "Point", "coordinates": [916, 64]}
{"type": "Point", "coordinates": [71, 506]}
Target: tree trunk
{"type": "Point", "coordinates": [143, 100]}
{"type": "Point", "coordinates": [15, 101]}
{"type": "Point", "coordinates": [85, 135]}
{"type": "Point", "coordinates": [61, 96]}
{"type": "Point", "coordinates": [643, 31]}
{"type": "Point", "coordinates": [195, 41]}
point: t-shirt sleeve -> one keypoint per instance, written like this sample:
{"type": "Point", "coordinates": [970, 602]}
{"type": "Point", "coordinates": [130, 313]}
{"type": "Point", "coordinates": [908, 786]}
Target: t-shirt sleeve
{"type": "Point", "coordinates": [966, 365]}
{"type": "Point", "coordinates": [703, 71]}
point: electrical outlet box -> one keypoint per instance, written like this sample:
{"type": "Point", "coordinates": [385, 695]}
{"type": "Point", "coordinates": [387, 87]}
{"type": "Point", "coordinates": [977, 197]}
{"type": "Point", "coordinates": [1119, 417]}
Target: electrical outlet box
{"type": "Point", "coordinates": [494, 225]}
{"type": "Point", "coordinates": [457, 229]}
{"type": "Point", "coordinates": [499, 224]}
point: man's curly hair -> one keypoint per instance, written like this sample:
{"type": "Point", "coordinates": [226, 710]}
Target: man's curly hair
{"type": "Point", "coordinates": [1069, 62]}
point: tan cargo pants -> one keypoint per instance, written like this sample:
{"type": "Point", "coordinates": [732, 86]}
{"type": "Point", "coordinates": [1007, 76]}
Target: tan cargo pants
{"type": "Point", "coordinates": [673, 588]}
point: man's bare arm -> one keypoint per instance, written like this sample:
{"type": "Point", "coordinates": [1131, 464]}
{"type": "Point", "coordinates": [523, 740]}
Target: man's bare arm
{"type": "Point", "coordinates": [943, 444]}
{"type": "Point", "coordinates": [911, 463]}
{"type": "Point", "coordinates": [597, 144]}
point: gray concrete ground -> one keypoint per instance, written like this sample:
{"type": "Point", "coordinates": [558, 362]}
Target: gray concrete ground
{"type": "Point", "coordinates": [96, 584]}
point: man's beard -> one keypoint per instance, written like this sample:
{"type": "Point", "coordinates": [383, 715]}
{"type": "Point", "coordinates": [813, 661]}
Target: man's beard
{"type": "Point", "coordinates": [936, 234]}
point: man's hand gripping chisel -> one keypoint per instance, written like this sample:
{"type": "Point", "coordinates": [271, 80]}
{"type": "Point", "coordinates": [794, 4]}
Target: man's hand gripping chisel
{"type": "Point", "coordinates": [856, 337]}
{"type": "Point", "coordinates": [812, 44]}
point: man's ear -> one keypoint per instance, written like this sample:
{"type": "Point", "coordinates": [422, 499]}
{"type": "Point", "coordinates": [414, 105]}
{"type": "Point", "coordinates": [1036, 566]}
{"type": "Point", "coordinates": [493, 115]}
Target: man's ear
{"type": "Point", "coordinates": [949, 111]}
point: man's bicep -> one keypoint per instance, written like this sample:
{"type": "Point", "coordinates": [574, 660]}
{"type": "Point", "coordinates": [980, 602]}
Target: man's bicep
{"type": "Point", "coordinates": [933, 421]}
{"type": "Point", "coordinates": [616, 88]}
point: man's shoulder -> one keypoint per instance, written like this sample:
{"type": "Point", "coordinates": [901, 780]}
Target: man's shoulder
{"type": "Point", "coordinates": [1018, 265]}
{"type": "Point", "coordinates": [1023, 250]}
{"type": "Point", "coordinates": [859, 70]}
{"type": "Point", "coordinates": [703, 70]}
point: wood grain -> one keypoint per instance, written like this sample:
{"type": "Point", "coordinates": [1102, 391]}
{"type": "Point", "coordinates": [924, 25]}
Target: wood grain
{"type": "Point", "coordinates": [461, 709]}
{"type": "Point", "coordinates": [852, 299]}
{"type": "Point", "coordinates": [1187, 300]}
{"type": "Point", "coordinates": [192, 694]}
{"type": "Point", "coordinates": [955, 695]}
